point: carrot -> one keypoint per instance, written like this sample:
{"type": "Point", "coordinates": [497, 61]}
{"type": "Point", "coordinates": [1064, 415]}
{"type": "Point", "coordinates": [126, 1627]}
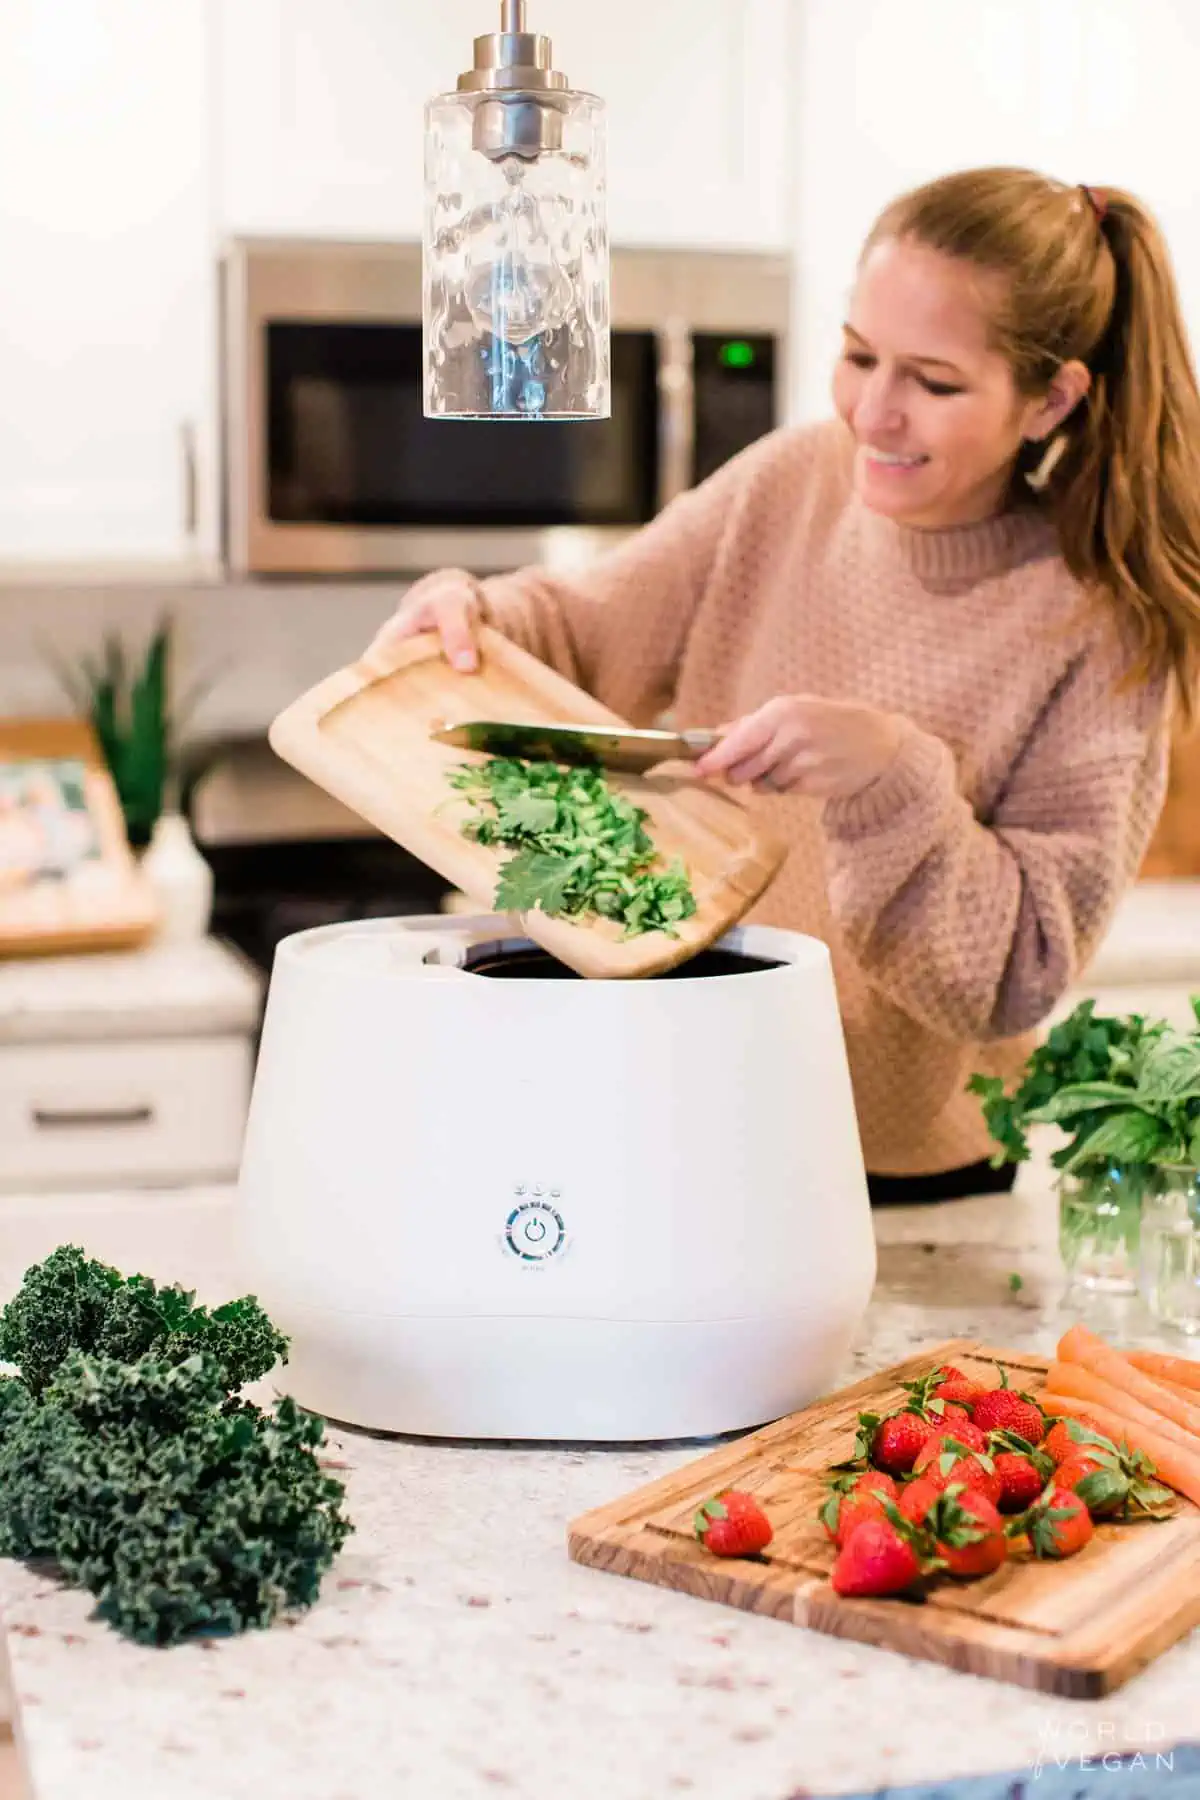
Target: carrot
{"type": "Point", "coordinates": [1083, 1347]}
{"type": "Point", "coordinates": [1177, 1388]}
{"type": "Point", "coordinates": [1176, 1467]}
{"type": "Point", "coordinates": [1179, 1371]}
{"type": "Point", "coordinates": [1071, 1382]}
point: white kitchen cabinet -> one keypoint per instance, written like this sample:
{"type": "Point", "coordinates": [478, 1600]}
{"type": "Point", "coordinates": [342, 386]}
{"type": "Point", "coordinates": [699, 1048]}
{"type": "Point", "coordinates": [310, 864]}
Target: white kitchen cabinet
{"type": "Point", "coordinates": [122, 1114]}
{"type": "Point", "coordinates": [319, 111]}
{"type": "Point", "coordinates": [107, 352]}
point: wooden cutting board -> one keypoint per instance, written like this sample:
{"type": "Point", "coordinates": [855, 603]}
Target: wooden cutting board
{"type": "Point", "coordinates": [1079, 1628]}
{"type": "Point", "coordinates": [58, 801]}
{"type": "Point", "coordinates": [363, 736]}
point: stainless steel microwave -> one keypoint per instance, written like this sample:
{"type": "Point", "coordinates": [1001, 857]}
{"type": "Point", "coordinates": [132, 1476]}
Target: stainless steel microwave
{"type": "Point", "coordinates": [331, 468]}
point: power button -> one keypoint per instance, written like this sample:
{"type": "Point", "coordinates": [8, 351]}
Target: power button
{"type": "Point", "coordinates": [534, 1231]}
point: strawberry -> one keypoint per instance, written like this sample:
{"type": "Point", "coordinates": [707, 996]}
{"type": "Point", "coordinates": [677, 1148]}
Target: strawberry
{"type": "Point", "coordinates": [880, 1557]}
{"type": "Point", "coordinates": [844, 1513]}
{"type": "Point", "coordinates": [946, 1459]}
{"type": "Point", "coordinates": [1021, 1480]}
{"type": "Point", "coordinates": [892, 1443]}
{"type": "Point", "coordinates": [733, 1524]}
{"type": "Point", "coordinates": [961, 1392]}
{"type": "Point", "coordinates": [1057, 1524]}
{"type": "Point", "coordinates": [929, 1398]}
{"type": "Point", "coordinates": [1112, 1485]}
{"type": "Point", "coordinates": [965, 1434]}
{"type": "Point", "coordinates": [916, 1498]}
{"type": "Point", "coordinates": [1003, 1409]}
{"type": "Point", "coordinates": [853, 1498]}
{"type": "Point", "coordinates": [1066, 1438]}
{"type": "Point", "coordinates": [967, 1530]}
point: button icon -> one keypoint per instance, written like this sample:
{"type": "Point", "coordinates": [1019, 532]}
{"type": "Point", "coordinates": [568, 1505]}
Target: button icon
{"type": "Point", "coordinates": [534, 1231]}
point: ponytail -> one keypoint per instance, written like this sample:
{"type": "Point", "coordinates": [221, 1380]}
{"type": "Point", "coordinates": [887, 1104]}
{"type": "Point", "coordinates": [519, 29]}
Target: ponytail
{"type": "Point", "coordinates": [1127, 495]}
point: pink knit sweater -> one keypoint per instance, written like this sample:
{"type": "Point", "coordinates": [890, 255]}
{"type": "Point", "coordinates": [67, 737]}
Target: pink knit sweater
{"type": "Point", "coordinates": [966, 888]}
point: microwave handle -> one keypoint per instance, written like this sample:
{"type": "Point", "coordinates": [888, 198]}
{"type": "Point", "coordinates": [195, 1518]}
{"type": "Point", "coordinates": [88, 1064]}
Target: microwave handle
{"type": "Point", "coordinates": [676, 409]}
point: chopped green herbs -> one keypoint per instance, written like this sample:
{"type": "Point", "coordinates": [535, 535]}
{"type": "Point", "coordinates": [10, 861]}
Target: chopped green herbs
{"type": "Point", "coordinates": [579, 847]}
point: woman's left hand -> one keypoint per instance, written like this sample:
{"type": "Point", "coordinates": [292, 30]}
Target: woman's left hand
{"type": "Point", "coordinates": [828, 749]}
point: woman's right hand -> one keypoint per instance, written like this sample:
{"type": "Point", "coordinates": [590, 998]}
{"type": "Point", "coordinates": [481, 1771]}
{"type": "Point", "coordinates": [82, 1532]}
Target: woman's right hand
{"type": "Point", "coordinates": [447, 602]}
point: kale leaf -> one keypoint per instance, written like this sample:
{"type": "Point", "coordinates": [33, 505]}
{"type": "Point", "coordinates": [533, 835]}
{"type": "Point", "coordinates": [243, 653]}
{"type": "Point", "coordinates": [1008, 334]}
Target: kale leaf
{"type": "Point", "coordinates": [71, 1302]}
{"type": "Point", "coordinates": [128, 1460]}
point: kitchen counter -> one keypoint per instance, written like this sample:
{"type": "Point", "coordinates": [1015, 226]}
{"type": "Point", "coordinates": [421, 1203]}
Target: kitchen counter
{"type": "Point", "coordinates": [456, 1653]}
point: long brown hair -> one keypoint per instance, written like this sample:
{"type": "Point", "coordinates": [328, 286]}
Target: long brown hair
{"type": "Point", "coordinates": [1088, 277]}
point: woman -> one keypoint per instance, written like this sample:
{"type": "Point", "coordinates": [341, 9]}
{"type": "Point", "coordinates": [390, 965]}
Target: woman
{"type": "Point", "coordinates": [945, 630]}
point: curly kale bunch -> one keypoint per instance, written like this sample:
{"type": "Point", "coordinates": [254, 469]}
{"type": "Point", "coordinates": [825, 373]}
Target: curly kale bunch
{"type": "Point", "coordinates": [69, 1302]}
{"type": "Point", "coordinates": [131, 1465]}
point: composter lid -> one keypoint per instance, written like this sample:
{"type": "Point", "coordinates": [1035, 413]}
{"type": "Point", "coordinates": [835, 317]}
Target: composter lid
{"type": "Point", "coordinates": [363, 735]}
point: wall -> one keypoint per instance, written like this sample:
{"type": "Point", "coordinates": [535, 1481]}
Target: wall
{"type": "Point", "coordinates": [263, 644]}
{"type": "Point", "coordinates": [888, 95]}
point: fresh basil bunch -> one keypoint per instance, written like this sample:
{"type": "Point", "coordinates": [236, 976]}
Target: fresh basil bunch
{"type": "Point", "coordinates": [1123, 1090]}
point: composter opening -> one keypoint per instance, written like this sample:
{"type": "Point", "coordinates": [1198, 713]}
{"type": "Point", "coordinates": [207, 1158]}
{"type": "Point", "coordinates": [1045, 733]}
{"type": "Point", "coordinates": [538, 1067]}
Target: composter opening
{"type": "Point", "coordinates": [521, 962]}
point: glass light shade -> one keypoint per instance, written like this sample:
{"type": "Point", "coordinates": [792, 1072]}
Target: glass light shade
{"type": "Point", "coordinates": [516, 265]}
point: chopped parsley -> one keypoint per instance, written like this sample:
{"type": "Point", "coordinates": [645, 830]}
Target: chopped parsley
{"type": "Point", "coordinates": [579, 848]}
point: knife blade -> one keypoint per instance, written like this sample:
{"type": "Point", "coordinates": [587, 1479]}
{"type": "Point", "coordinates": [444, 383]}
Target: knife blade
{"type": "Point", "coordinates": [609, 747]}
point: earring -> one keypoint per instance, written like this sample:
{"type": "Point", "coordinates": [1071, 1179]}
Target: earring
{"type": "Point", "coordinates": [1039, 478]}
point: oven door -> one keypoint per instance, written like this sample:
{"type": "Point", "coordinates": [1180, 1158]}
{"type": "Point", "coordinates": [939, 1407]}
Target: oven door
{"type": "Point", "coordinates": [354, 471]}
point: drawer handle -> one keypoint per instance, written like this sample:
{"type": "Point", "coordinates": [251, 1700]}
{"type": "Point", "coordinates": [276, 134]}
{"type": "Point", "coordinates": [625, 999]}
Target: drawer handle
{"type": "Point", "coordinates": [49, 1118]}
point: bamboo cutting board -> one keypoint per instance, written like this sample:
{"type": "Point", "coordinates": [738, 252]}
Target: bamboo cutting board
{"type": "Point", "coordinates": [363, 736]}
{"type": "Point", "coordinates": [1078, 1628]}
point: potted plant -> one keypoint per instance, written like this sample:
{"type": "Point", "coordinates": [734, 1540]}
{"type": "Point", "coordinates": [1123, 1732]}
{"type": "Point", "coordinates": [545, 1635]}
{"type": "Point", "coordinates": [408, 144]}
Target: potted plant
{"type": "Point", "coordinates": [140, 723]}
{"type": "Point", "coordinates": [1125, 1092]}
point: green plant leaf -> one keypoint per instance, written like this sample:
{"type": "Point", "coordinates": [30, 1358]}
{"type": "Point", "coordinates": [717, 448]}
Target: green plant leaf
{"type": "Point", "coordinates": [1170, 1071]}
{"type": "Point", "coordinates": [1084, 1096]}
{"type": "Point", "coordinates": [1121, 1137]}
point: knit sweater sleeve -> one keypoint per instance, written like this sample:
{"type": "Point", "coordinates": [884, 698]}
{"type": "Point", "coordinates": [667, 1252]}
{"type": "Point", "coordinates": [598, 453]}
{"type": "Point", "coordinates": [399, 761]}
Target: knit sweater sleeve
{"type": "Point", "coordinates": [619, 629]}
{"type": "Point", "coordinates": [976, 926]}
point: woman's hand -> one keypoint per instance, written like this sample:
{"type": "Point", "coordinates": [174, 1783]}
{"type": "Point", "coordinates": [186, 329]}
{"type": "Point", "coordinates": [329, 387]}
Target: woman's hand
{"type": "Point", "coordinates": [446, 602]}
{"type": "Point", "coordinates": [798, 743]}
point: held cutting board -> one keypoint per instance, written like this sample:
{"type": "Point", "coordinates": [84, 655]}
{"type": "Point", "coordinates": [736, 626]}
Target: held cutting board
{"type": "Point", "coordinates": [363, 736]}
{"type": "Point", "coordinates": [1078, 1628]}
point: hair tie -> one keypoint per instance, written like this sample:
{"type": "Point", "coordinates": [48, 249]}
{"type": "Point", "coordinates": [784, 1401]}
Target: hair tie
{"type": "Point", "coordinates": [1097, 200]}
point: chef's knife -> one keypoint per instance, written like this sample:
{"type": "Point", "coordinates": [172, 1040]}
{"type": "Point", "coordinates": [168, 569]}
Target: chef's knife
{"type": "Point", "coordinates": [610, 747]}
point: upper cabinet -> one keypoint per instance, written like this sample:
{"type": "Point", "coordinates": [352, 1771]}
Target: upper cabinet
{"type": "Point", "coordinates": [319, 111]}
{"type": "Point", "coordinates": [106, 302]}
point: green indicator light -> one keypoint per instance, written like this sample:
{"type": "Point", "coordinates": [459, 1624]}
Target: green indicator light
{"type": "Point", "coordinates": [737, 354]}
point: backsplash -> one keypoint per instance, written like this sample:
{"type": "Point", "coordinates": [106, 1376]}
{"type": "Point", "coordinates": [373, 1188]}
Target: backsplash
{"type": "Point", "coordinates": [267, 642]}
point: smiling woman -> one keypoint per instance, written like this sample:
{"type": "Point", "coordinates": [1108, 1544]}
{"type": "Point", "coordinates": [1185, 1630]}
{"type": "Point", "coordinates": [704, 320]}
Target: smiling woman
{"type": "Point", "coordinates": [945, 629]}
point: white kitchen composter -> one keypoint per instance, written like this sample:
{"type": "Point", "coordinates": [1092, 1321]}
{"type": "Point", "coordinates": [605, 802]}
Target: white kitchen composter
{"type": "Point", "coordinates": [488, 1204]}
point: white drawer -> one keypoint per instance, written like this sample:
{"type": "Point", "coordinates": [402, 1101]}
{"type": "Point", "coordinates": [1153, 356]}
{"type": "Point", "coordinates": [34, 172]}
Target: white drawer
{"type": "Point", "coordinates": [147, 1111]}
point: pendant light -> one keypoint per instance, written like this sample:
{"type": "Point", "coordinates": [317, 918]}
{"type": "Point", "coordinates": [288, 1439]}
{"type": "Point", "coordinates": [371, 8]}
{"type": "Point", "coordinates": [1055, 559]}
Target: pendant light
{"type": "Point", "coordinates": [516, 277]}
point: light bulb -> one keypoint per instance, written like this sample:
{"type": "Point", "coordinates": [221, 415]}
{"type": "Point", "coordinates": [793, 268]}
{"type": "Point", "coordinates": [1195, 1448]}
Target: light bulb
{"type": "Point", "coordinates": [519, 264]}
{"type": "Point", "coordinates": [516, 307]}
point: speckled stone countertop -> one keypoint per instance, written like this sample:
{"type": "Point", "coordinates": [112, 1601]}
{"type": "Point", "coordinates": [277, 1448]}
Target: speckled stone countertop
{"type": "Point", "coordinates": [456, 1653]}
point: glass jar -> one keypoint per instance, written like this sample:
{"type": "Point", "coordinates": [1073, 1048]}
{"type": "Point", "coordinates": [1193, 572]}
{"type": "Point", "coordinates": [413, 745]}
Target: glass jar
{"type": "Point", "coordinates": [1169, 1259]}
{"type": "Point", "coordinates": [1099, 1227]}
